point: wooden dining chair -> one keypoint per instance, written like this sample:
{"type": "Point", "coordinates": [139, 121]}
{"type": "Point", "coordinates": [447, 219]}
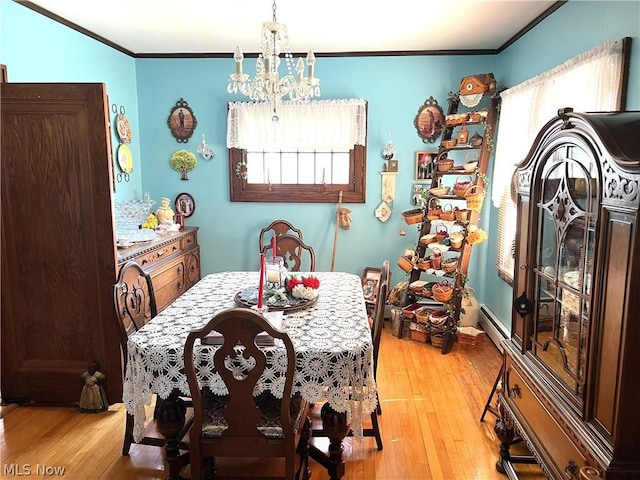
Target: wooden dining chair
{"type": "Point", "coordinates": [240, 424]}
{"type": "Point", "coordinates": [297, 255]}
{"type": "Point", "coordinates": [278, 227]}
{"type": "Point", "coordinates": [135, 305]}
{"type": "Point", "coordinates": [377, 323]}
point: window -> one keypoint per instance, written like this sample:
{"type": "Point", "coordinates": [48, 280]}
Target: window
{"type": "Point", "coordinates": [312, 152]}
{"type": "Point", "coordinates": [528, 106]}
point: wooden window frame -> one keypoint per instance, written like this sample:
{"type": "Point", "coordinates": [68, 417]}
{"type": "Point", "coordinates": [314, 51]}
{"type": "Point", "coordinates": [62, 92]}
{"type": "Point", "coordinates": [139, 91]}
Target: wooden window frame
{"type": "Point", "coordinates": [354, 192]}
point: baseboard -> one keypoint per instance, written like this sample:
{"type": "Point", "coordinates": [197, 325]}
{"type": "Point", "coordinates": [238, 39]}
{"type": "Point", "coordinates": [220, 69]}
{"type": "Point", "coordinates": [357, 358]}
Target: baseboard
{"type": "Point", "coordinates": [495, 329]}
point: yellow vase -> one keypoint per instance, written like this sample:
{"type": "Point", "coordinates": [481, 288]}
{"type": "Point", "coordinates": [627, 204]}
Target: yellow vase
{"type": "Point", "coordinates": [165, 213]}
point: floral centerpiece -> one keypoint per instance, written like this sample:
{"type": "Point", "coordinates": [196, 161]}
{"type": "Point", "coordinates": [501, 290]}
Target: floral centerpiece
{"type": "Point", "coordinates": [296, 290]}
{"type": "Point", "coordinates": [304, 287]}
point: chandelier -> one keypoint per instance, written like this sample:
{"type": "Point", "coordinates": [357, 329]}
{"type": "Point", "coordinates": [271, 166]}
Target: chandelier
{"type": "Point", "coordinates": [267, 84]}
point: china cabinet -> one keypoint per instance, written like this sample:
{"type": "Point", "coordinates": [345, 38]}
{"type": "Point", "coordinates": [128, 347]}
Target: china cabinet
{"type": "Point", "coordinates": [570, 378]}
{"type": "Point", "coordinates": [454, 202]}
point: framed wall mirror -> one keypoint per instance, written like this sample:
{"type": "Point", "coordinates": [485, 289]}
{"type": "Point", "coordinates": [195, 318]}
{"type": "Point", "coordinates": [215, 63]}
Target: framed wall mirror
{"type": "Point", "coordinates": [182, 122]}
{"type": "Point", "coordinates": [429, 121]}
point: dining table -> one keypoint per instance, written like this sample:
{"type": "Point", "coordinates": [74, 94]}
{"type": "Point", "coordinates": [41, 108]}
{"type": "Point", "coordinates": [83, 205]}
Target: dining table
{"type": "Point", "coordinates": [334, 358]}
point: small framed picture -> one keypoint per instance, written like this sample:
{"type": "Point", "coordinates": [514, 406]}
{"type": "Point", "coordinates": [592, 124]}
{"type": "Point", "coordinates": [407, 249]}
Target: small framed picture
{"type": "Point", "coordinates": [424, 165]}
{"type": "Point", "coordinates": [420, 193]}
{"type": "Point", "coordinates": [370, 279]}
{"type": "Point", "coordinates": [185, 204]}
{"type": "Point", "coordinates": [393, 165]}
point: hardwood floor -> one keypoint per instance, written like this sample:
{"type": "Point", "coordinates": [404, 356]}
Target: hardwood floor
{"type": "Point", "coordinates": [431, 406]}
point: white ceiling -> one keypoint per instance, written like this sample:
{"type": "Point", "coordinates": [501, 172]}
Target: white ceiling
{"type": "Point", "coordinates": [331, 26]}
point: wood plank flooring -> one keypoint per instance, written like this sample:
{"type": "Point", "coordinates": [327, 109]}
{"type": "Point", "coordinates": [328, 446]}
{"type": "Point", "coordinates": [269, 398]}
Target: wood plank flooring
{"type": "Point", "coordinates": [431, 406]}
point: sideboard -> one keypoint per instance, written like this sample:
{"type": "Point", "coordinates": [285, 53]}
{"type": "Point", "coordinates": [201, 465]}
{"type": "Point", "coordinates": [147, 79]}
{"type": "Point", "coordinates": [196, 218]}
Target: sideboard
{"type": "Point", "coordinates": [172, 261]}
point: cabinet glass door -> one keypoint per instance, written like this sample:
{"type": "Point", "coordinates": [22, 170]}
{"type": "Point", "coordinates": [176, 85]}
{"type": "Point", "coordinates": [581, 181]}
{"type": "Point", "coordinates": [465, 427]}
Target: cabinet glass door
{"type": "Point", "coordinates": [567, 206]}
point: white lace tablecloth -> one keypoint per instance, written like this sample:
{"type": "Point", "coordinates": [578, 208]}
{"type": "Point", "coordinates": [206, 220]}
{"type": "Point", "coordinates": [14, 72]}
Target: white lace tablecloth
{"type": "Point", "coordinates": [332, 340]}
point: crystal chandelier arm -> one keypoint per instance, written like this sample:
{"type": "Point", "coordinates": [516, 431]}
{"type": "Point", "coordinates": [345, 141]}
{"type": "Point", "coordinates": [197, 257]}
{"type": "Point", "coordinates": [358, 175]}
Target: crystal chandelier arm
{"type": "Point", "coordinates": [311, 61]}
{"type": "Point", "coordinates": [238, 57]}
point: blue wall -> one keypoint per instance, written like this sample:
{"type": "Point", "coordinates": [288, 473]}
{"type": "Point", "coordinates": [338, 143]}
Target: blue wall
{"type": "Point", "coordinates": [575, 28]}
{"type": "Point", "coordinates": [37, 49]}
{"type": "Point", "coordinates": [395, 88]}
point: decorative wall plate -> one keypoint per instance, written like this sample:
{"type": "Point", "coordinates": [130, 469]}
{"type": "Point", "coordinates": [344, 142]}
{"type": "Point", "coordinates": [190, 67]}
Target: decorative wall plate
{"type": "Point", "coordinates": [125, 158]}
{"type": "Point", "coordinates": [122, 124]}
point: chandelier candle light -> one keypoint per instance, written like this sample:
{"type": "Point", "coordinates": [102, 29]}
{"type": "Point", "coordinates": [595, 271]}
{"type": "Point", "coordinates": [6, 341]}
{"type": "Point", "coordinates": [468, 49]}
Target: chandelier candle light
{"type": "Point", "coordinates": [267, 85]}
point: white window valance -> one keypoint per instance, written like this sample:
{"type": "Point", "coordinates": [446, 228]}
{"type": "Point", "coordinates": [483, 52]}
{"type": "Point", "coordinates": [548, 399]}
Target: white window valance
{"type": "Point", "coordinates": [315, 125]}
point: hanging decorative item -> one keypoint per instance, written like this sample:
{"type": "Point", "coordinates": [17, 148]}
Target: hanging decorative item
{"type": "Point", "coordinates": [205, 150]}
{"type": "Point", "coordinates": [182, 122]}
{"type": "Point", "coordinates": [183, 161]}
{"type": "Point", "coordinates": [473, 87]}
{"type": "Point", "coordinates": [429, 121]}
{"type": "Point", "coordinates": [383, 212]}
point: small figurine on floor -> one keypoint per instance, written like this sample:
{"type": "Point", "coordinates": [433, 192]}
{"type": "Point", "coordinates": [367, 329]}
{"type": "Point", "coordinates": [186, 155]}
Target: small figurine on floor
{"type": "Point", "coordinates": [93, 398]}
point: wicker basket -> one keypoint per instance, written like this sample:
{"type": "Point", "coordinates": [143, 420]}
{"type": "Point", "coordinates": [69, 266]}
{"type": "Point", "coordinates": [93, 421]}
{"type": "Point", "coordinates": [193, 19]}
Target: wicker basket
{"type": "Point", "coordinates": [474, 197]}
{"type": "Point", "coordinates": [461, 185]}
{"type": "Point", "coordinates": [439, 191]}
{"type": "Point", "coordinates": [441, 233]}
{"type": "Point", "coordinates": [456, 239]}
{"type": "Point", "coordinates": [449, 265]}
{"type": "Point", "coordinates": [424, 264]}
{"type": "Point", "coordinates": [405, 263]}
{"type": "Point", "coordinates": [428, 239]}
{"type": "Point", "coordinates": [443, 291]}
{"type": "Point", "coordinates": [475, 117]}
{"type": "Point", "coordinates": [427, 290]}
{"type": "Point", "coordinates": [422, 315]}
{"type": "Point", "coordinates": [470, 162]}
{"type": "Point", "coordinates": [433, 209]}
{"type": "Point", "coordinates": [449, 143]}
{"type": "Point", "coordinates": [420, 335]}
{"type": "Point", "coordinates": [437, 339]}
{"type": "Point", "coordinates": [470, 336]}
{"type": "Point", "coordinates": [436, 260]}
{"type": "Point", "coordinates": [413, 216]}
{"type": "Point", "coordinates": [447, 214]}
{"type": "Point", "coordinates": [462, 215]}
{"type": "Point", "coordinates": [445, 164]}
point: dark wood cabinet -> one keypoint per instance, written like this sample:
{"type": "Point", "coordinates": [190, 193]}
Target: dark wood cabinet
{"type": "Point", "coordinates": [571, 386]}
{"type": "Point", "coordinates": [58, 249]}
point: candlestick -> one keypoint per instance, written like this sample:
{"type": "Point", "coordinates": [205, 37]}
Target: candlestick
{"type": "Point", "coordinates": [261, 283]}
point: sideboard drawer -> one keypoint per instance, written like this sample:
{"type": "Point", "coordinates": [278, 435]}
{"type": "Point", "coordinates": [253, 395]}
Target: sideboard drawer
{"type": "Point", "coordinates": [168, 282]}
{"type": "Point", "coordinates": [158, 254]}
{"type": "Point", "coordinates": [540, 425]}
{"type": "Point", "coordinates": [188, 240]}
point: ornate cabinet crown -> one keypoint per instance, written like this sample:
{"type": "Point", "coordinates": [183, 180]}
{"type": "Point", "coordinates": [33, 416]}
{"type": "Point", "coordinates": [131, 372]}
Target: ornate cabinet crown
{"type": "Point", "coordinates": [570, 386]}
